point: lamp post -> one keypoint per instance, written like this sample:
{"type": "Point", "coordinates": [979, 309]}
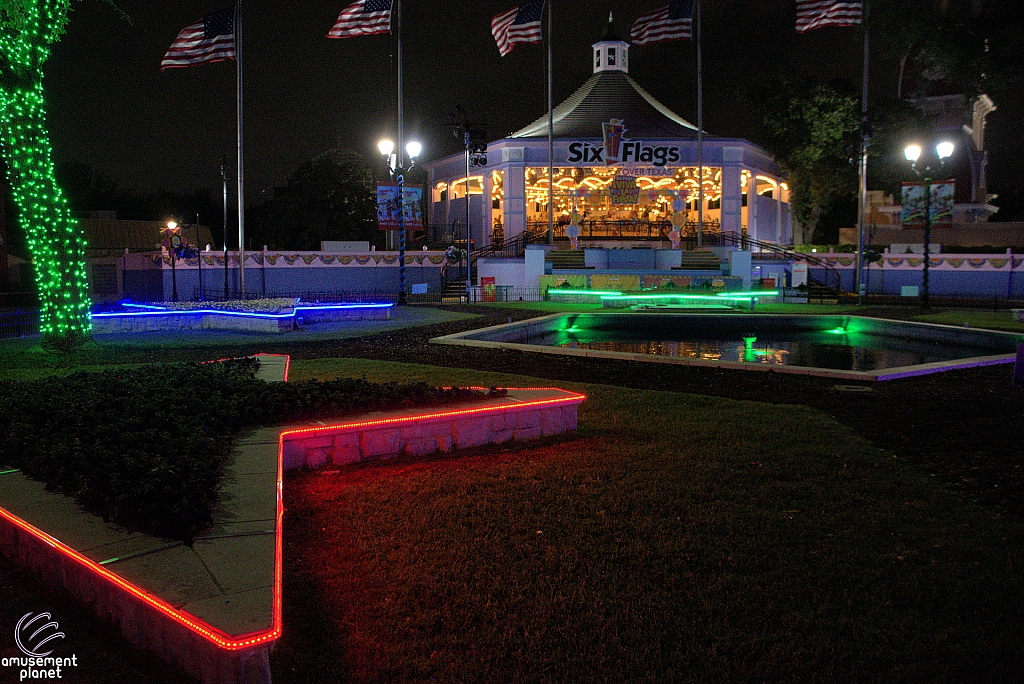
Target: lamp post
{"type": "Point", "coordinates": [199, 257]}
{"type": "Point", "coordinates": [474, 137]}
{"type": "Point", "coordinates": [943, 151]}
{"type": "Point", "coordinates": [398, 172]}
{"type": "Point", "coordinates": [172, 237]}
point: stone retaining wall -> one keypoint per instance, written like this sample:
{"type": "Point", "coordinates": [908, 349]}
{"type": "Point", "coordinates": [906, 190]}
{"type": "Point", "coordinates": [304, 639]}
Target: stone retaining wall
{"type": "Point", "coordinates": [530, 414]}
{"type": "Point", "coordinates": [140, 622]}
{"type": "Point", "coordinates": [185, 320]}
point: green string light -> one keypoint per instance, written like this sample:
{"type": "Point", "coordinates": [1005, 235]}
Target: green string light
{"type": "Point", "coordinates": [27, 29]}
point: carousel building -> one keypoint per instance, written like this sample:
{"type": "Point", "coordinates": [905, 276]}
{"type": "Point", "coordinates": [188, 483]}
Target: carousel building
{"type": "Point", "coordinates": [625, 167]}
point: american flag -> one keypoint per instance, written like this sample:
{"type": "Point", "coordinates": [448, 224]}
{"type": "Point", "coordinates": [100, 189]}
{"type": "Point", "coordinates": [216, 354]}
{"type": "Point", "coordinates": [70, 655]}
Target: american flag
{"type": "Point", "coordinates": [204, 42]}
{"type": "Point", "coordinates": [812, 14]}
{"type": "Point", "coordinates": [363, 18]}
{"type": "Point", "coordinates": [518, 25]}
{"type": "Point", "coordinates": [669, 22]}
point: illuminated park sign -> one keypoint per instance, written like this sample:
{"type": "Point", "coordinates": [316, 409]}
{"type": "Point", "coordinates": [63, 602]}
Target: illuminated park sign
{"type": "Point", "coordinates": [617, 150]}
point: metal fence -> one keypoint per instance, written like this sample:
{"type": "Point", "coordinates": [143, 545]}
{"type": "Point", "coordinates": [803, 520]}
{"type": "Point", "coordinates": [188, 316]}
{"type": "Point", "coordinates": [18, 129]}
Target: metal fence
{"type": "Point", "coordinates": [18, 322]}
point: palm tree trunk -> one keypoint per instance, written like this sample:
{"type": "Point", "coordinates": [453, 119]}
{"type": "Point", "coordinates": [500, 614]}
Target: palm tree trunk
{"type": "Point", "coordinates": [55, 242]}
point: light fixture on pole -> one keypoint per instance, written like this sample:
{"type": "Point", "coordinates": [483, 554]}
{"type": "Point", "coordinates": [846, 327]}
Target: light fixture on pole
{"type": "Point", "coordinates": [397, 171]}
{"type": "Point", "coordinates": [943, 151]}
{"type": "Point", "coordinates": [173, 242]}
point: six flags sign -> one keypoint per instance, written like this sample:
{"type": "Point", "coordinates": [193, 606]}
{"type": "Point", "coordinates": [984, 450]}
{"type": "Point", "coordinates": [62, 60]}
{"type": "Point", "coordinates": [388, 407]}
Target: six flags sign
{"type": "Point", "coordinates": [619, 150]}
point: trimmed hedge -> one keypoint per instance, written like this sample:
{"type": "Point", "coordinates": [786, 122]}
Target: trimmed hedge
{"type": "Point", "coordinates": [146, 448]}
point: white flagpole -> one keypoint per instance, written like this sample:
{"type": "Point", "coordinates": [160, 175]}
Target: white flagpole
{"type": "Point", "coordinates": [700, 130]}
{"type": "Point", "coordinates": [863, 198]}
{"type": "Point", "coordinates": [241, 175]}
{"type": "Point", "coordinates": [401, 121]}
{"type": "Point", "coordinates": [401, 168]}
{"type": "Point", "coordinates": [551, 133]}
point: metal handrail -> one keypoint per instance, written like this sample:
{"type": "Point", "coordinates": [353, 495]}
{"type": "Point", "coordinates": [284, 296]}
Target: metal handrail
{"type": "Point", "coordinates": [744, 242]}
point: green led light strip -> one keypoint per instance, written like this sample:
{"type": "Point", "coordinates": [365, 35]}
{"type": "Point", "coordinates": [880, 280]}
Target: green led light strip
{"type": "Point", "coordinates": [27, 30]}
{"type": "Point", "coordinates": [594, 293]}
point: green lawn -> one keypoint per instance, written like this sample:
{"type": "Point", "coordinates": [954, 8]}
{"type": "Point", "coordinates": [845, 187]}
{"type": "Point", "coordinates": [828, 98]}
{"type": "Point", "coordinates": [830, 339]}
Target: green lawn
{"type": "Point", "coordinates": [672, 538]}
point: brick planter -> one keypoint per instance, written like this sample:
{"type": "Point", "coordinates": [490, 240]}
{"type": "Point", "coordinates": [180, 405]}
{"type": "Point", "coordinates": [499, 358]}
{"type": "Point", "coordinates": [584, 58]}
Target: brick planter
{"type": "Point", "coordinates": [172, 627]}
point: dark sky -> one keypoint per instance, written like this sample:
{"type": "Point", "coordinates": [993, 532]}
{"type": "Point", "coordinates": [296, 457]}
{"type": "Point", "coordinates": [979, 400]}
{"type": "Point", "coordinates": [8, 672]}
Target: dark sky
{"type": "Point", "coordinates": [113, 108]}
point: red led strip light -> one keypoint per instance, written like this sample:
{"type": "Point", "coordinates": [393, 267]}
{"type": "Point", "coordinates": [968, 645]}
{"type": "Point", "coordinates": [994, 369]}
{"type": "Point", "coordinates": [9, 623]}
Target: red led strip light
{"type": "Point", "coordinates": [287, 362]}
{"type": "Point", "coordinates": [188, 620]}
{"type": "Point", "coordinates": [206, 630]}
{"type": "Point", "coordinates": [571, 398]}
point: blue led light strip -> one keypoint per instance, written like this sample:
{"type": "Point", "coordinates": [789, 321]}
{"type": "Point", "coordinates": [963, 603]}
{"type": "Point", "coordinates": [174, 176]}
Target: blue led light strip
{"type": "Point", "coordinates": [157, 311]}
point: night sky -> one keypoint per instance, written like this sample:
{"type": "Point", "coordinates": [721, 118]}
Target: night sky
{"type": "Point", "coordinates": [112, 107]}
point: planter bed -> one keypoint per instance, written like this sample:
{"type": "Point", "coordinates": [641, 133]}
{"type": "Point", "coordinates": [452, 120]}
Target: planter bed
{"type": "Point", "coordinates": [278, 318]}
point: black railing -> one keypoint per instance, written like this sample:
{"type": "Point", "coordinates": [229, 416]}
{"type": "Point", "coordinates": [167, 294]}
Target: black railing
{"type": "Point", "coordinates": [18, 322]}
{"type": "Point", "coordinates": [833, 280]}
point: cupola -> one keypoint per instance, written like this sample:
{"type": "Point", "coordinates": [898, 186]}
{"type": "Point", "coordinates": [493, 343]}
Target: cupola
{"type": "Point", "coordinates": [611, 53]}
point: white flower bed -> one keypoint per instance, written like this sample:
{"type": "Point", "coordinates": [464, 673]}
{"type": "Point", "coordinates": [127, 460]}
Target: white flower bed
{"type": "Point", "coordinates": [269, 305]}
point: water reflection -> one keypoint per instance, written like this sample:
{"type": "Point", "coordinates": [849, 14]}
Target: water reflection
{"type": "Point", "coordinates": [848, 351]}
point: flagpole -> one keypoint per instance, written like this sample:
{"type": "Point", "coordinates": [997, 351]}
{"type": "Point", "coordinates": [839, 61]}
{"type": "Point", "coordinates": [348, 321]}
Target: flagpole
{"type": "Point", "coordinates": [700, 132]}
{"type": "Point", "coordinates": [401, 171]}
{"type": "Point", "coordinates": [551, 132]}
{"type": "Point", "coordinates": [863, 198]}
{"type": "Point", "coordinates": [241, 175]}
{"type": "Point", "coordinates": [401, 122]}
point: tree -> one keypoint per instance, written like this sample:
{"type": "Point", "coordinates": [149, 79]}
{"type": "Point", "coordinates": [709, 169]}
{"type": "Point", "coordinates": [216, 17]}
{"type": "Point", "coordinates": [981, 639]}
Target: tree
{"type": "Point", "coordinates": [28, 29]}
{"type": "Point", "coordinates": [329, 198]}
{"type": "Point", "coordinates": [813, 133]}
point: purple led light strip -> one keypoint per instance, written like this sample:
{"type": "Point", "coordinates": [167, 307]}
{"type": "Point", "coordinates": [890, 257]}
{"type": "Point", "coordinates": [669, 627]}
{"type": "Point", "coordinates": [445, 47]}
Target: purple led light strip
{"type": "Point", "coordinates": [157, 311]}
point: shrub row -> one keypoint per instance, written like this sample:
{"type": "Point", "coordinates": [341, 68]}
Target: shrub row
{"type": "Point", "coordinates": [146, 448]}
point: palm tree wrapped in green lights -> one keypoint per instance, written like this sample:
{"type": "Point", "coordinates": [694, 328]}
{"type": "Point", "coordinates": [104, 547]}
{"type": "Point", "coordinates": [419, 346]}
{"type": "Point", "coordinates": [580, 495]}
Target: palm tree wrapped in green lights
{"type": "Point", "coordinates": [28, 28]}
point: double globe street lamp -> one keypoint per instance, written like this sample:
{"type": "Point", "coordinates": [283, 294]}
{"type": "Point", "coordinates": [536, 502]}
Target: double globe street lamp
{"type": "Point", "coordinates": [398, 171]}
{"type": "Point", "coordinates": [944, 150]}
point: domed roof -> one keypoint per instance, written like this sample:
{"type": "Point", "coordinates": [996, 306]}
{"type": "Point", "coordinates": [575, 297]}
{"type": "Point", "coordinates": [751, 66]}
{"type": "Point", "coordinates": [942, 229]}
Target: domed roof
{"type": "Point", "coordinates": [607, 95]}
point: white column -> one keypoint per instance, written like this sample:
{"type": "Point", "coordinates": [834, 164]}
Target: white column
{"type": "Point", "coordinates": [752, 206]}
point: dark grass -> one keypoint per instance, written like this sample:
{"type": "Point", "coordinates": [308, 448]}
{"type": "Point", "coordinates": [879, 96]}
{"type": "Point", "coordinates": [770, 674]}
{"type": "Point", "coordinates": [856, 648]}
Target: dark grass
{"type": "Point", "coordinates": [673, 538]}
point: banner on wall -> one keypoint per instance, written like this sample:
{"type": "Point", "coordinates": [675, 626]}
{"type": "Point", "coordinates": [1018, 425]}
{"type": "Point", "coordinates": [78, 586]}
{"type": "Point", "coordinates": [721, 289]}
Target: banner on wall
{"type": "Point", "coordinates": [489, 288]}
{"type": "Point", "coordinates": [912, 201]}
{"type": "Point", "coordinates": [387, 206]}
{"type": "Point", "coordinates": [624, 191]}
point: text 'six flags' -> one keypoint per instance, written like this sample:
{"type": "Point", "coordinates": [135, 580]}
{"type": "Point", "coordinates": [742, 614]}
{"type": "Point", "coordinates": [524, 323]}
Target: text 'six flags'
{"type": "Point", "coordinates": [363, 18]}
{"type": "Point", "coordinates": [673, 21]}
{"type": "Point", "coordinates": [813, 14]}
{"type": "Point", "coordinates": [204, 42]}
{"type": "Point", "coordinates": [519, 25]}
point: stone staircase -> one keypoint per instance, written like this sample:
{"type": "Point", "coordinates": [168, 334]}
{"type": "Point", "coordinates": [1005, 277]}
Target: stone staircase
{"type": "Point", "coordinates": [698, 260]}
{"type": "Point", "coordinates": [566, 259]}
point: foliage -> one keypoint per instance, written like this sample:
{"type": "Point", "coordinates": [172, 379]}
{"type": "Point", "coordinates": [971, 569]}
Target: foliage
{"type": "Point", "coordinates": [331, 197]}
{"type": "Point", "coordinates": [813, 131]}
{"type": "Point", "coordinates": [145, 448]}
{"type": "Point", "coordinates": [976, 44]}
{"type": "Point", "coordinates": [91, 189]}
